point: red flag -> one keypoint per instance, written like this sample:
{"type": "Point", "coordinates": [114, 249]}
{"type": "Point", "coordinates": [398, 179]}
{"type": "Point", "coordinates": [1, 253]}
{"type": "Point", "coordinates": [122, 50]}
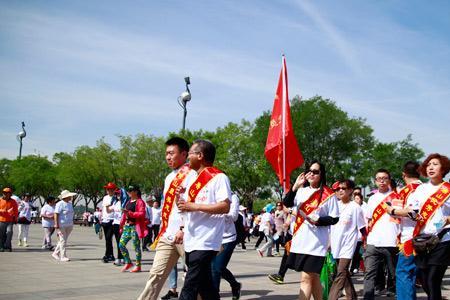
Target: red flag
{"type": "Point", "coordinates": [282, 150]}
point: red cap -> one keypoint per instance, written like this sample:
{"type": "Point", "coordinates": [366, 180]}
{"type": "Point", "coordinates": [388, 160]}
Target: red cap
{"type": "Point", "coordinates": [335, 185]}
{"type": "Point", "coordinates": [110, 186]}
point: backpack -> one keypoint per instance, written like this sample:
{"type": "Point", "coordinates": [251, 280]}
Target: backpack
{"type": "Point", "coordinates": [240, 229]}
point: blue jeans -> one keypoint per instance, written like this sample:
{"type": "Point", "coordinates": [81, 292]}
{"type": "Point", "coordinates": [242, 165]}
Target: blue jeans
{"type": "Point", "coordinates": [173, 278]}
{"type": "Point", "coordinates": [219, 266]}
{"type": "Point", "coordinates": [406, 277]}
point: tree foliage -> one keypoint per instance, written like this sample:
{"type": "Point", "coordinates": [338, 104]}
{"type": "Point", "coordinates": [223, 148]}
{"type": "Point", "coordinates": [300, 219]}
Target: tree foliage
{"type": "Point", "coordinates": [324, 131]}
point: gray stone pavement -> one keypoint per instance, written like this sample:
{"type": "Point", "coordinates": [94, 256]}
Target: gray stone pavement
{"type": "Point", "coordinates": [31, 273]}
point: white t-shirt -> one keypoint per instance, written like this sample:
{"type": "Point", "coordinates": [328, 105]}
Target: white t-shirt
{"type": "Point", "coordinates": [311, 239]}
{"type": "Point", "coordinates": [176, 217]}
{"type": "Point", "coordinates": [156, 216]}
{"type": "Point", "coordinates": [266, 221]}
{"type": "Point", "coordinates": [406, 224]}
{"type": "Point", "coordinates": [344, 234]}
{"type": "Point", "coordinates": [364, 210]}
{"type": "Point", "coordinates": [384, 233]}
{"type": "Point", "coordinates": [48, 211]}
{"type": "Point", "coordinates": [204, 231]}
{"type": "Point", "coordinates": [25, 210]}
{"type": "Point", "coordinates": [65, 211]}
{"type": "Point", "coordinates": [434, 225]}
{"type": "Point", "coordinates": [117, 214]}
{"type": "Point", "coordinates": [106, 216]}
{"type": "Point", "coordinates": [229, 233]}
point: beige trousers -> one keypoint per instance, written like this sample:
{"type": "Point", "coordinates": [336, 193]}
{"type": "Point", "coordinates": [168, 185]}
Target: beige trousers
{"type": "Point", "coordinates": [165, 259]}
{"type": "Point", "coordinates": [62, 243]}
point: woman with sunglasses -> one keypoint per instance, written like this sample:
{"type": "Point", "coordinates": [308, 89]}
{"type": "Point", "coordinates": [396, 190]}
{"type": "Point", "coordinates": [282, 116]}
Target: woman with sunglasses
{"type": "Point", "coordinates": [317, 209]}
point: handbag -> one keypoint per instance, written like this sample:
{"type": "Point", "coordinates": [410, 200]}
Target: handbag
{"type": "Point", "coordinates": [424, 243]}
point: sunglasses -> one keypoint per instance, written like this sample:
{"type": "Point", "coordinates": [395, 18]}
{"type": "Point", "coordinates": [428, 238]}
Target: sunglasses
{"type": "Point", "coordinates": [315, 172]}
{"type": "Point", "coordinates": [341, 188]}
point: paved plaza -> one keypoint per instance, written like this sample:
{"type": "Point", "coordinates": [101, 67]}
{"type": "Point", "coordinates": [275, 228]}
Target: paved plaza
{"type": "Point", "coordinates": [31, 273]}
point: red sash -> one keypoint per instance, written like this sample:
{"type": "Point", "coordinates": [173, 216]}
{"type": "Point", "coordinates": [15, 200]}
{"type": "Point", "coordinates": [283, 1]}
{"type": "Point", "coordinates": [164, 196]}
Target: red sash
{"type": "Point", "coordinates": [168, 200]}
{"type": "Point", "coordinates": [406, 191]}
{"type": "Point", "coordinates": [203, 178]}
{"type": "Point", "coordinates": [380, 210]}
{"type": "Point", "coordinates": [309, 206]}
{"type": "Point", "coordinates": [427, 211]}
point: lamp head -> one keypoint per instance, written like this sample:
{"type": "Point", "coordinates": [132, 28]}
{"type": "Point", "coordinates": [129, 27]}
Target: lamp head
{"type": "Point", "coordinates": [185, 96]}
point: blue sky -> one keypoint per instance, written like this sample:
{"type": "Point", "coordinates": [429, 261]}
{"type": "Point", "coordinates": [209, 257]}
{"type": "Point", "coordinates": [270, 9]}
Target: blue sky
{"type": "Point", "coordinates": [76, 71]}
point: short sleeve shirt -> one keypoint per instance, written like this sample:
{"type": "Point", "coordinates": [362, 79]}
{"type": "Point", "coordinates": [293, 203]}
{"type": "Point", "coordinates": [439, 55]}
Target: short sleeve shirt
{"type": "Point", "coordinates": [385, 231]}
{"type": "Point", "coordinates": [204, 231]}
{"type": "Point", "coordinates": [344, 234]}
{"type": "Point", "coordinates": [65, 211]}
{"type": "Point", "coordinates": [311, 239]}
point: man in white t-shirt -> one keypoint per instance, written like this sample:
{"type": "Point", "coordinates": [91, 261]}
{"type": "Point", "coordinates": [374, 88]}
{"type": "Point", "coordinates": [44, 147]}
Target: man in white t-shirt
{"type": "Point", "coordinates": [169, 243]}
{"type": "Point", "coordinates": [405, 273]}
{"type": "Point", "coordinates": [156, 219]}
{"type": "Point", "coordinates": [382, 235]}
{"type": "Point", "coordinates": [344, 237]}
{"type": "Point", "coordinates": [205, 201]}
{"type": "Point", "coordinates": [107, 221]}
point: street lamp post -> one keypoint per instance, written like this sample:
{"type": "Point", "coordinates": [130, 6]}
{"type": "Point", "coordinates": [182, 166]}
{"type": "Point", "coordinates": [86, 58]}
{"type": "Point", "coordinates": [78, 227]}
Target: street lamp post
{"type": "Point", "coordinates": [183, 99]}
{"type": "Point", "coordinates": [20, 137]}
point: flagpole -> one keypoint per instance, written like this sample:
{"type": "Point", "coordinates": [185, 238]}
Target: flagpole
{"type": "Point", "coordinates": [283, 120]}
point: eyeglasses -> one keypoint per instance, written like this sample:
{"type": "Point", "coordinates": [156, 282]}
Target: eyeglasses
{"type": "Point", "coordinates": [340, 188]}
{"type": "Point", "coordinates": [315, 172]}
{"type": "Point", "coordinates": [381, 179]}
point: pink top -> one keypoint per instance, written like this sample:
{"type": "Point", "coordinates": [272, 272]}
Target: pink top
{"type": "Point", "coordinates": [139, 216]}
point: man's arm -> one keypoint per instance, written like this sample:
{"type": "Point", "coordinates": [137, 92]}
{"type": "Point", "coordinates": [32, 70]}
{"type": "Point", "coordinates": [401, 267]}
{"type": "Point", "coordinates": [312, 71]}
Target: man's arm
{"type": "Point", "coordinates": [221, 207]}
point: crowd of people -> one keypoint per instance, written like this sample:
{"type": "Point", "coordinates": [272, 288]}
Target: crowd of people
{"type": "Point", "coordinates": [399, 237]}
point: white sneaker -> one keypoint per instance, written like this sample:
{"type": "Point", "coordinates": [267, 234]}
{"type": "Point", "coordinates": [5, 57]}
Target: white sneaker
{"type": "Point", "coordinates": [65, 259]}
{"type": "Point", "coordinates": [19, 243]}
{"type": "Point", "coordinates": [117, 262]}
{"type": "Point", "coordinates": [44, 247]}
{"type": "Point", "coordinates": [55, 256]}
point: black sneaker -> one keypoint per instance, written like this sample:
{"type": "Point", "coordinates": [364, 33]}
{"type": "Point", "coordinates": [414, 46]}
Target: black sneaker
{"type": "Point", "coordinates": [105, 259]}
{"type": "Point", "coordinates": [276, 278]}
{"type": "Point", "coordinates": [236, 291]}
{"type": "Point", "coordinates": [111, 258]}
{"type": "Point", "coordinates": [170, 295]}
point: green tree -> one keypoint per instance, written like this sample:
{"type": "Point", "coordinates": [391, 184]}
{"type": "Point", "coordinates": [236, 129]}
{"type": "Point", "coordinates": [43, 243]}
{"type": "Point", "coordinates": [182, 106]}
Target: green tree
{"type": "Point", "coordinates": [326, 133]}
{"type": "Point", "coordinates": [35, 175]}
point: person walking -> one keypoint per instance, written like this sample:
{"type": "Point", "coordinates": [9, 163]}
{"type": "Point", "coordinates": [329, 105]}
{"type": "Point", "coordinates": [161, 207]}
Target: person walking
{"type": "Point", "coordinates": [229, 242]}
{"type": "Point", "coordinates": [24, 220]}
{"type": "Point", "coordinates": [8, 217]}
{"type": "Point", "coordinates": [382, 235]}
{"type": "Point", "coordinates": [317, 211]}
{"type": "Point", "coordinates": [133, 226]}
{"type": "Point", "coordinates": [204, 201]}
{"type": "Point", "coordinates": [48, 222]}
{"type": "Point", "coordinates": [433, 200]}
{"type": "Point", "coordinates": [63, 217]}
{"type": "Point", "coordinates": [169, 242]}
{"type": "Point", "coordinates": [343, 239]}
{"type": "Point", "coordinates": [107, 221]}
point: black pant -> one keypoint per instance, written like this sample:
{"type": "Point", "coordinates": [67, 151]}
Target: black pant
{"type": "Point", "coordinates": [261, 237]}
{"type": "Point", "coordinates": [199, 276]}
{"type": "Point", "coordinates": [147, 239]}
{"type": "Point", "coordinates": [356, 260]}
{"type": "Point", "coordinates": [432, 279]}
{"type": "Point", "coordinates": [155, 230]}
{"type": "Point", "coordinates": [117, 235]}
{"type": "Point", "coordinates": [108, 233]}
